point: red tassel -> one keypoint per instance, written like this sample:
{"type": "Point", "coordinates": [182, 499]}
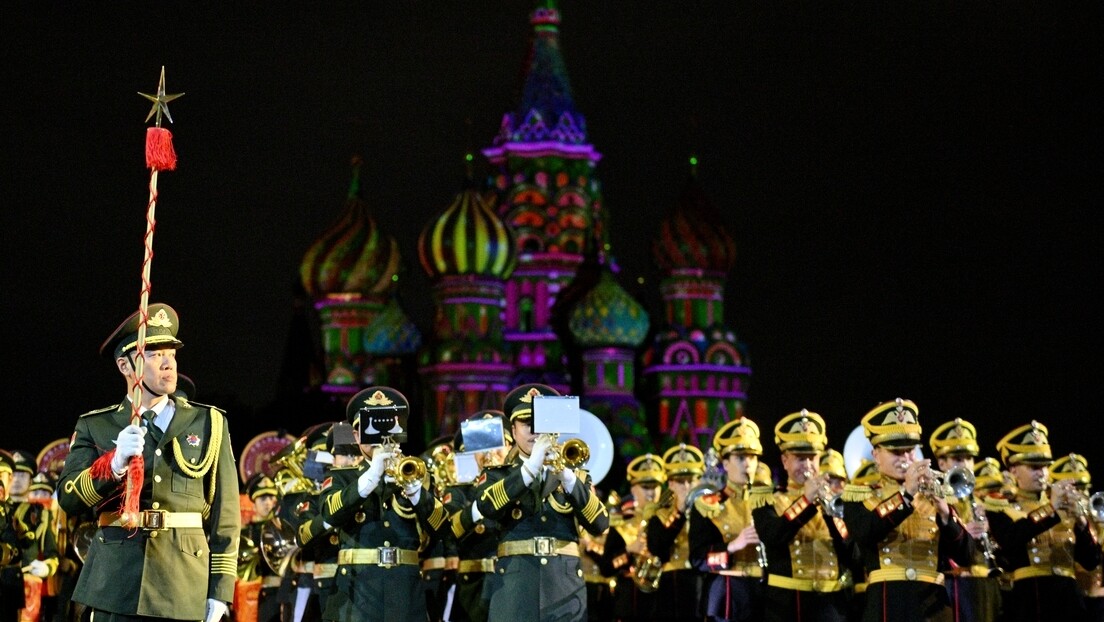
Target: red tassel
{"type": "Point", "coordinates": [159, 149]}
{"type": "Point", "coordinates": [135, 475]}
{"type": "Point", "coordinates": [101, 468]}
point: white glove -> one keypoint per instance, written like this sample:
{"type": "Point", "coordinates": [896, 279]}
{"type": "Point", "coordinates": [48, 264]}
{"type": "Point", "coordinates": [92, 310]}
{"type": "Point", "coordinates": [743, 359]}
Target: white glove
{"type": "Point", "coordinates": [39, 568]}
{"type": "Point", "coordinates": [216, 610]}
{"type": "Point", "coordinates": [371, 478]}
{"type": "Point", "coordinates": [568, 479]}
{"type": "Point", "coordinates": [535, 462]}
{"type": "Point", "coordinates": [413, 491]}
{"type": "Point", "coordinates": [130, 442]}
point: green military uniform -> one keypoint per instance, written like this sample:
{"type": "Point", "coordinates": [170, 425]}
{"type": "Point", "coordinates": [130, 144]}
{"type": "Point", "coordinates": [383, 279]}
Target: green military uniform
{"type": "Point", "coordinates": [11, 555]}
{"type": "Point", "coordinates": [905, 545]}
{"type": "Point", "coordinates": [186, 548]}
{"type": "Point", "coordinates": [537, 575]}
{"type": "Point", "coordinates": [378, 570]}
{"type": "Point", "coordinates": [1041, 545]}
{"type": "Point", "coordinates": [668, 537]}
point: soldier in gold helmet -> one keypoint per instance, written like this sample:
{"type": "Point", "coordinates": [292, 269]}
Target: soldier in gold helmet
{"type": "Point", "coordinates": [668, 534]}
{"type": "Point", "coordinates": [833, 467]}
{"type": "Point", "coordinates": [1075, 467]}
{"type": "Point", "coordinates": [626, 546]}
{"type": "Point", "coordinates": [973, 590]}
{"type": "Point", "coordinates": [906, 531]}
{"type": "Point", "coordinates": [866, 473]}
{"type": "Point", "coordinates": [804, 535]}
{"type": "Point", "coordinates": [1041, 535]}
{"type": "Point", "coordinates": [258, 581]}
{"type": "Point", "coordinates": [724, 542]}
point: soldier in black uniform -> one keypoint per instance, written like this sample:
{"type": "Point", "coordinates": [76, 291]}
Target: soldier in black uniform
{"type": "Point", "coordinates": [181, 560]}
{"type": "Point", "coordinates": [724, 542]}
{"type": "Point", "coordinates": [974, 594]}
{"type": "Point", "coordinates": [1076, 468]}
{"type": "Point", "coordinates": [907, 533]}
{"type": "Point", "coordinates": [803, 533]}
{"type": "Point", "coordinates": [381, 516]}
{"type": "Point", "coordinates": [11, 555]}
{"type": "Point", "coordinates": [626, 547]}
{"type": "Point", "coordinates": [668, 533]}
{"type": "Point", "coordinates": [1041, 536]}
{"type": "Point", "coordinates": [540, 508]}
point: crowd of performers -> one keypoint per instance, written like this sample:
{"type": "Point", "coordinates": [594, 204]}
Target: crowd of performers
{"type": "Point", "coordinates": [349, 531]}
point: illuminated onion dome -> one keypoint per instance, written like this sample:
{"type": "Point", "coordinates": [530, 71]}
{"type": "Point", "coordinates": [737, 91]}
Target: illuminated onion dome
{"type": "Point", "coordinates": [608, 316]}
{"type": "Point", "coordinates": [693, 236]}
{"type": "Point", "coordinates": [353, 257]}
{"type": "Point", "coordinates": [546, 113]}
{"type": "Point", "coordinates": [392, 333]}
{"type": "Point", "coordinates": [467, 238]}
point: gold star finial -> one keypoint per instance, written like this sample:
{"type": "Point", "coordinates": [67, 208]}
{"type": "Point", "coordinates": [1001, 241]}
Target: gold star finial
{"type": "Point", "coordinates": [160, 101]}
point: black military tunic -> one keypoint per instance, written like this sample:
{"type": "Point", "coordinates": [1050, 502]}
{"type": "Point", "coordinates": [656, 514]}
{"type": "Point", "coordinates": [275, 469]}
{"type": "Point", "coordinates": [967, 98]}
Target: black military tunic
{"type": "Point", "coordinates": [378, 575]}
{"type": "Point", "coordinates": [476, 546]}
{"type": "Point", "coordinates": [732, 588]}
{"type": "Point", "coordinates": [1040, 547]}
{"type": "Point", "coordinates": [679, 592]}
{"type": "Point", "coordinates": [538, 574]}
{"type": "Point", "coordinates": [319, 544]}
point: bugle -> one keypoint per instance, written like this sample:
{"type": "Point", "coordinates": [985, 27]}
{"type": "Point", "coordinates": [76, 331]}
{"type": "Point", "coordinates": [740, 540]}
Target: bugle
{"type": "Point", "coordinates": [572, 454]}
{"type": "Point", "coordinates": [960, 483]}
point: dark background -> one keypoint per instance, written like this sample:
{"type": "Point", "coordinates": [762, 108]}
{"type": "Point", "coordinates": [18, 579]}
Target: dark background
{"type": "Point", "coordinates": [913, 187]}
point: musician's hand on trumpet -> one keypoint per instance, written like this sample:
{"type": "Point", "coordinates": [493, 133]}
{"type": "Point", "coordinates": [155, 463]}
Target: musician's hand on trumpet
{"type": "Point", "coordinates": [370, 479]}
{"type": "Point", "coordinates": [921, 479]}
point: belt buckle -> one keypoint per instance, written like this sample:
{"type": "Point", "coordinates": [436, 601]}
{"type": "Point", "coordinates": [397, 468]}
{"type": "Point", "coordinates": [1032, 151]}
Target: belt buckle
{"type": "Point", "coordinates": [544, 546]}
{"type": "Point", "coordinates": [154, 520]}
{"type": "Point", "coordinates": [388, 556]}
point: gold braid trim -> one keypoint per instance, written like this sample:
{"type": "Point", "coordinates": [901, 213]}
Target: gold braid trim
{"type": "Point", "coordinates": [400, 510]}
{"type": "Point", "coordinates": [209, 463]}
{"type": "Point", "coordinates": [334, 503]}
{"type": "Point", "coordinates": [593, 509]}
{"type": "Point", "coordinates": [855, 493]}
{"type": "Point", "coordinates": [305, 533]}
{"type": "Point", "coordinates": [225, 563]}
{"type": "Point", "coordinates": [562, 508]}
{"type": "Point", "coordinates": [82, 486]}
{"type": "Point", "coordinates": [496, 493]}
{"type": "Point", "coordinates": [457, 525]}
{"type": "Point", "coordinates": [439, 516]}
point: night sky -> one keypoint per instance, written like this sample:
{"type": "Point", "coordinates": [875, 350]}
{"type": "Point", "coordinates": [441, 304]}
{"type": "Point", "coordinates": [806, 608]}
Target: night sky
{"type": "Point", "coordinates": [913, 187]}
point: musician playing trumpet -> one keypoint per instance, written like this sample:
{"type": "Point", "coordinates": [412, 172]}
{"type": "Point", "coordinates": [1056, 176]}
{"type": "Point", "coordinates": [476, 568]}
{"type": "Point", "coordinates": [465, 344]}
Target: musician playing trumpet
{"type": "Point", "coordinates": [973, 590]}
{"type": "Point", "coordinates": [1041, 533]}
{"type": "Point", "coordinates": [807, 545]}
{"type": "Point", "coordinates": [1076, 468]}
{"type": "Point", "coordinates": [906, 532]}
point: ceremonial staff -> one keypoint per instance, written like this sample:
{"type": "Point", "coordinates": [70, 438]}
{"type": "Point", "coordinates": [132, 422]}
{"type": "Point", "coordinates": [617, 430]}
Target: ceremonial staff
{"type": "Point", "coordinates": [160, 156]}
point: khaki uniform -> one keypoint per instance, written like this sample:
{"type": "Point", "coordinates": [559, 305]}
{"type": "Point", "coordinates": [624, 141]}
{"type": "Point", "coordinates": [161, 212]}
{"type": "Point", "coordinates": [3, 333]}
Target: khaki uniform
{"type": "Point", "coordinates": [190, 483]}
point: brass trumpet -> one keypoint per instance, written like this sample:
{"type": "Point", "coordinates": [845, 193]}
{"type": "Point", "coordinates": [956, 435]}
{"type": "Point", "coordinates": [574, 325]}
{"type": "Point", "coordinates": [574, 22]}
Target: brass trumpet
{"type": "Point", "coordinates": [831, 504]}
{"type": "Point", "coordinates": [406, 470]}
{"type": "Point", "coordinates": [571, 454]}
{"type": "Point", "coordinates": [960, 482]}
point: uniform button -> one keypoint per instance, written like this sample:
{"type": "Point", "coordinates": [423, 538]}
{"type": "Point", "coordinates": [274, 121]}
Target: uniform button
{"type": "Point", "coordinates": [501, 571]}
{"type": "Point", "coordinates": [887, 562]}
{"type": "Point", "coordinates": [344, 571]}
{"type": "Point", "coordinates": [157, 478]}
{"type": "Point", "coordinates": [544, 561]}
{"type": "Point", "coordinates": [579, 572]}
{"type": "Point", "coordinates": [544, 519]}
{"type": "Point", "coordinates": [156, 504]}
{"type": "Point", "coordinates": [1036, 559]}
{"type": "Point", "coordinates": [153, 534]}
{"type": "Point", "coordinates": [910, 574]}
{"type": "Point", "coordinates": [386, 523]}
{"type": "Point", "coordinates": [157, 452]}
{"type": "Point", "coordinates": [386, 543]}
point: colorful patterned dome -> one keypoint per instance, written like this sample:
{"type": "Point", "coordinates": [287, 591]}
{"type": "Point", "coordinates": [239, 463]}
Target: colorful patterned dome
{"type": "Point", "coordinates": [353, 257]}
{"type": "Point", "coordinates": [546, 112]}
{"type": "Point", "coordinates": [468, 237]}
{"type": "Point", "coordinates": [608, 316]}
{"type": "Point", "coordinates": [392, 333]}
{"type": "Point", "coordinates": [693, 236]}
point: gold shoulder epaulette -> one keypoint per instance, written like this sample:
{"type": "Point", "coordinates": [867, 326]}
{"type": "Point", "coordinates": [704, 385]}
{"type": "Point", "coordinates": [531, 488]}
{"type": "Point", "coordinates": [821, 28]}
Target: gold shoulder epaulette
{"type": "Point", "coordinates": [995, 504]}
{"type": "Point", "coordinates": [100, 411]}
{"type": "Point", "coordinates": [856, 493]}
{"type": "Point", "coordinates": [709, 506]}
{"type": "Point", "coordinates": [759, 496]}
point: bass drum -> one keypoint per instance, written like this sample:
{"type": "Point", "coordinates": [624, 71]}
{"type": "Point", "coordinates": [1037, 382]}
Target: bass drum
{"type": "Point", "coordinates": [598, 439]}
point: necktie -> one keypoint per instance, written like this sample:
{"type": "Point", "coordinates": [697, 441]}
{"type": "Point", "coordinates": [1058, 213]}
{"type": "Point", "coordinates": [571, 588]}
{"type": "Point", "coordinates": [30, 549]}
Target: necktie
{"type": "Point", "coordinates": [152, 430]}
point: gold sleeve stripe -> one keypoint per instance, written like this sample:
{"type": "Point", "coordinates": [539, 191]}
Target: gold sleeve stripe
{"type": "Point", "coordinates": [224, 563]}
{"type": "Point", "coordinates": [305, 533]}
{"type": "Point", "coordinates": [594, 508]}
{"type": "Point", "coordinates": [438, 517]}
{"type": "Point", "coordinates": [457, 525]}
{"type": "Point", "coordinates": [496, 494]}
{"type": "Point", "coordinates": [334, 503]}
{"type": "Point", "coordinates": [85, 489]}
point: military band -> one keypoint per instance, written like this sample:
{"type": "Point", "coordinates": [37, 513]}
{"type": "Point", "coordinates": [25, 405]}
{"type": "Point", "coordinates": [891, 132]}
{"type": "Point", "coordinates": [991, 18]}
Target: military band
{"type": "Point", "coordinates": [528, 535]}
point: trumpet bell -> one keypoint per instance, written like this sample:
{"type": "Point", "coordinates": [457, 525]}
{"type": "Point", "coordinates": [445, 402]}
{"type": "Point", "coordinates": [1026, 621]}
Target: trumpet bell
{"type": "Point", "coordinates": [960, 481]}
{"type": "Point", "coordinates": [278, 545]}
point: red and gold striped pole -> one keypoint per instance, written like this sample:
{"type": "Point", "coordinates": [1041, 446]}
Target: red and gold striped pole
{"type": "Point", "coordinates": [160, 156]}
